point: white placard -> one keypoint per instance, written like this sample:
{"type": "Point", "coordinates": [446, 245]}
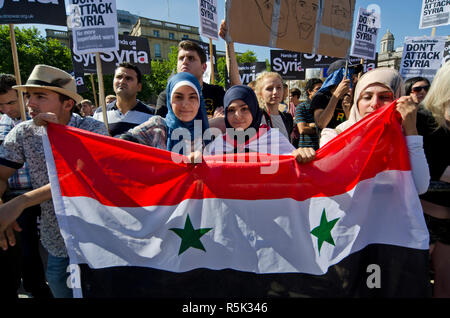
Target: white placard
{"type": "Point", "coordinates": [208, 18]}
{"type": "Point", "coordinates": [364, 44]}
{"type": "Point", "coordinates": [434, 13]}
{"type": "Point", "coordinates": [422, 56]}
{"type": "Point", "coordinates": [94, 26]}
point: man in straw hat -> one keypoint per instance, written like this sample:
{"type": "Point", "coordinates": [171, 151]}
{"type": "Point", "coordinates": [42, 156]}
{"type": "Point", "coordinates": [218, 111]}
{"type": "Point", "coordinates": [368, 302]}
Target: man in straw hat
{"type": "Point", "coordinates": [21, 263]}
{"type": "Point", "coordinates": [50, 95]}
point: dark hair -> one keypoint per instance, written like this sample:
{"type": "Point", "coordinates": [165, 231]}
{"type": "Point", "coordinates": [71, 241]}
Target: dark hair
{"type": "Point", "coordinates": [311, 83]}
{"type": "Point", "coordinates": [188, 45]}
{"type": "Point", "coordinates": [132, 67]}
{"type": "Point", "coordinates": [413, 80]}
{"type": "Point", "coordinates": [296, 92]}
{"type": "Point", "coordinates": [7, 81]}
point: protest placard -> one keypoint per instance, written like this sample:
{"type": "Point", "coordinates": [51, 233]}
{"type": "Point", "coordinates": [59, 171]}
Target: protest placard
{"type": "Point", "coordinates": [134, 50]}
{"type": "Point", "coordinates": [446, 55]}
{"type": "Point", "coordinates": [94, 26]}
{"type": "Point", "coordinates": [208, 18]}
{"type": "Point", "coordinates": [307, 26]}
{"type": "Point", "coordinates": [288, 64]}
{"type": "Point", "coordinates": [79, 80]}
{"type": "Point", "coordinates": [33, 11]}
{"type": "Point", "coordinates": [434, 13]}
{"type": "Point", "coordinates": [249, 71]}
{"type": "Point", "coordinates": [364, 43]}
{"type": "Point", "coordinates": [422, 56]}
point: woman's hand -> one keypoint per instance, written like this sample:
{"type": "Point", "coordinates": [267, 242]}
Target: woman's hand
{"type": "Point", "coordinates": [408, 110]}
{"type": "Point", "coordinates": [304, 155]}
{"type": "Point", "coordinates": [195, 157]}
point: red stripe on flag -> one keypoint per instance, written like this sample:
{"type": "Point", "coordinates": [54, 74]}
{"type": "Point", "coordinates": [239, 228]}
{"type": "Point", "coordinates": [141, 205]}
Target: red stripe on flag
{"type": "Point", "coordinates": [121, 173]}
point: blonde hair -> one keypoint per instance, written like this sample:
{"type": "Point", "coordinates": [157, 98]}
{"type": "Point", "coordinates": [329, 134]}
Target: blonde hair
{"type": "Point", "coordinates": [438, 96]}
{"type": "Point", "coordinates": [259, 85]}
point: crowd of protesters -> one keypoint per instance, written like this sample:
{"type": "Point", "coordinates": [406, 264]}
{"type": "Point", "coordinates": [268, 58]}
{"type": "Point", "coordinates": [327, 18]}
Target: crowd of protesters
{"type": "Point", "coordinates": [263, 116]}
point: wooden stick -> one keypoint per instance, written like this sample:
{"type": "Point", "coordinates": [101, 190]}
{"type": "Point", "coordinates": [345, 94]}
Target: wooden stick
{"type": "Point", "coordinates": [346, 68]}
{"type": "Point", "coordinates": [93, 90]}
{"type": "Point", "coordinates": [211, 57]}
{"type": "Point", "coordinates": [433, 31]}
{"type": "Point", "coordinates": [101, 89]}
{"type": "Point", "coordinates": [362, 63]}
{"type": "Point", "coordinates": [17, 71]}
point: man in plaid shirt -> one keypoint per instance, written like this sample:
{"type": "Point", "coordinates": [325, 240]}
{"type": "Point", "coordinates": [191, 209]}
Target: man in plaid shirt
{"type": "Point", "coordinates": [23, 261]}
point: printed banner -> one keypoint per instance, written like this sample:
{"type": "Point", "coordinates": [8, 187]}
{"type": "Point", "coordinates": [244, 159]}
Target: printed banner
{"type": "Point", "coordinates": [79, 80]}
{"type": "Point", "coordinates": [208, 18]}
{"type": "Point", "coordinates": [249, 71]}
{"type": "Point", "coordinates": [134, 50]}
{"type": "Point", "coordinates": [434, 13]}
{"type": "Point", "coordinates": [41, 11]}
{"type": "Point", "coordinates": [446, 56]}
{"type": "Point", "coordinates": [364, 43]}
{"type": "Point", "coordinates": [288, 64]}
{"type": "Point", "coordinates": [422, 56]}
{"type": "Point", "coordinates": [94, 26]}
{"type": "Point", "coordinates": [310, 26]}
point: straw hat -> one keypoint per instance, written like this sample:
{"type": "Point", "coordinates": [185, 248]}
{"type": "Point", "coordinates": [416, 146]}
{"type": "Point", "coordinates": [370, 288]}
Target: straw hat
{"type": "Point", "coordinates": [54, 79]}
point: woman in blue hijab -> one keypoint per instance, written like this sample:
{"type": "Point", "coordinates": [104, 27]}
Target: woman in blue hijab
{"type": "Point", "coordinates": [186, 108]}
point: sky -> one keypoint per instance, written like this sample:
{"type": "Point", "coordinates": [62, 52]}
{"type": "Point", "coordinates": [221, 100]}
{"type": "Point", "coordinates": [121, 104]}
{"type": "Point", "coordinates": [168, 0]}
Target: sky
{"type": "Point", "coordinates": [401, 17]}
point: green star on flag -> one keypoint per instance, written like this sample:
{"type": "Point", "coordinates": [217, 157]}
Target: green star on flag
{"type": "Point", "coordinates": [189, 236]}
{"type": "Point", "coordinates": [323, 231]}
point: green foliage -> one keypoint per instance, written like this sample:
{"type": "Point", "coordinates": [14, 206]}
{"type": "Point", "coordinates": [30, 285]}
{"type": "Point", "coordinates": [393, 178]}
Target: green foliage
{"type": "Point", "coordinates": [156, 82]}
{"type": "Point", "coordinates": [32, 49]}
{"type": "Point", "coordinates": [246, 57]}
{"type": "Point", "coordinates": [221, 72]}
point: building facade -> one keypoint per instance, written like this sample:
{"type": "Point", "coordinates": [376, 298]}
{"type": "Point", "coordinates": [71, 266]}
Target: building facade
{"type": "Point", "coordinates": [388, 56]}
{"type": "Point", "coordinates": [161, 35]}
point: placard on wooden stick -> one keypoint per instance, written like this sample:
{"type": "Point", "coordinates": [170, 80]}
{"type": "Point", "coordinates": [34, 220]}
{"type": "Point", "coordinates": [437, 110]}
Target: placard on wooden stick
{"type": "Point", "coordinates": [313, 26]}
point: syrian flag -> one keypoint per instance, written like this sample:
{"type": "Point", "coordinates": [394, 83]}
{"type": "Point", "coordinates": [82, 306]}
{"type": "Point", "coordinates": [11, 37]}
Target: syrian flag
{"type": "Point", "coordinates": [138, 224]}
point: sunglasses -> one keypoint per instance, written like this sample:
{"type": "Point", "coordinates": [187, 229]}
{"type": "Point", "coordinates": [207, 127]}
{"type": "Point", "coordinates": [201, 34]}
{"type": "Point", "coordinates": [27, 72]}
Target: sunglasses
{"type": "Point", "coordinates": [419, 88]}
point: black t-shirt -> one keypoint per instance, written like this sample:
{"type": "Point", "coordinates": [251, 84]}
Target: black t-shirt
{"type": "Point", "coordinates": [321, 100]}
{"type": "Point", "coordinates": [435, 141]}
{"type": "Point", "coordinates": [212, 95]}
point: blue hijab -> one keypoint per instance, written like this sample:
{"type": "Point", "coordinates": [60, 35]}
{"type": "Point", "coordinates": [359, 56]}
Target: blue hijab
{"type": "Point", "coordinates": [172, 121]}
{"type": "Point", "coordinates": [246, 94]}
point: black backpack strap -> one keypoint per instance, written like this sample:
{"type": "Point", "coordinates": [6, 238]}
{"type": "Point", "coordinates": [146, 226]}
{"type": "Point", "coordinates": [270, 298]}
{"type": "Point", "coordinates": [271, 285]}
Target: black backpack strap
{"type": "Point", "coordinates": [288, 121]}
{"type": "Point", "coordinates": [268, 120]}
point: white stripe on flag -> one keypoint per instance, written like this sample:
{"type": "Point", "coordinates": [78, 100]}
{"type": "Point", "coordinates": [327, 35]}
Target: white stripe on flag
{"type": "Point", "coordinates": [261, 236]}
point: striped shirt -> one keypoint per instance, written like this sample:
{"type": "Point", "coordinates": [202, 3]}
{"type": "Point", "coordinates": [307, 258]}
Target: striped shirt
{"type": "Point", "coordinates": [120, 123]}
{"type": "Point", "coordinates": [304, 114]}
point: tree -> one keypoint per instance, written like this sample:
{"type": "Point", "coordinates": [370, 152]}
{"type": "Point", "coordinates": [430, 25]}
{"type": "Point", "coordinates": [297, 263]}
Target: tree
{"type": "Point", "coordinates": [156, 82]}
{"type": "Point", "coordinates": [32, 49]}
{"type": "Point", "coordinates": [246, 57]}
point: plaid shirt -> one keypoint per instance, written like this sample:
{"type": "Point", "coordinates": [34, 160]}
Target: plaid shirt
{"type": "Point", "coordinates": [20, 180]}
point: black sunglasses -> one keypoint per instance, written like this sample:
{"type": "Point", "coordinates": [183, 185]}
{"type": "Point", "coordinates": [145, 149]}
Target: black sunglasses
{"type": "Point", "coordinates": [419, 88]}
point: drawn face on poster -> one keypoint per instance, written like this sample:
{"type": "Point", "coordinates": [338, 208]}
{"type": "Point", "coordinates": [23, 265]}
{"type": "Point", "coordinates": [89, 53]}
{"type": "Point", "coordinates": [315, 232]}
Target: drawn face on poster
{"type": "Point", "coordinates": [341, 11]}
{"type": "Point", "coordinates": [305, 12]}
{"type": "Point", "coordinates": [265, 9]}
